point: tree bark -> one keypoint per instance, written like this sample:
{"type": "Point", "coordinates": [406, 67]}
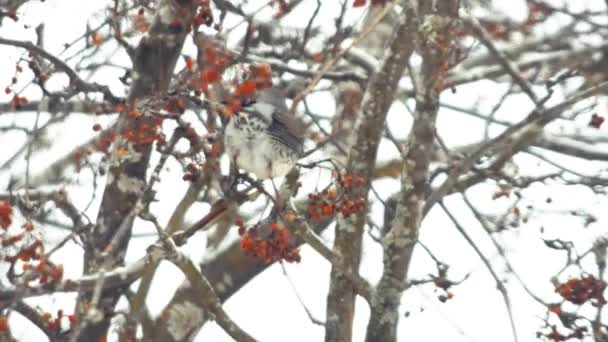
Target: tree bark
{"type": "Point", "coordinates": [400, 239]}
{"type": "Point", "coordinates": [377, 100]}
{"type": "Point", "coordinates": [153, 62]}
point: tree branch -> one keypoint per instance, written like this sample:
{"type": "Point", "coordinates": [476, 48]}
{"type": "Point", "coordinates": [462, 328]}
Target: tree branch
{"type": "Point", "coordinates": [205, 295]}
{"type": "Point", "coordinates": [378, 97]}
{"type": "Point", "coordinates": [399, 241]}
{"type": "Point", "coordinates": [154, 60]}
{"type": "Point", "coordinates": [512, 140]}
{"type": "Point", "coordinates": [77, 83]}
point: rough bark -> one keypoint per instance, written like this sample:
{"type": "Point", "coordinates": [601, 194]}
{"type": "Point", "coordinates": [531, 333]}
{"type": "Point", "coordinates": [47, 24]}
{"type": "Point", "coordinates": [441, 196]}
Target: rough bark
{"type": "Point", "coordinates": [153, 63]}
{"type": "Point", "coordinates": [398, 243]}
{"type": "Point", "coordinates": [377, 99]}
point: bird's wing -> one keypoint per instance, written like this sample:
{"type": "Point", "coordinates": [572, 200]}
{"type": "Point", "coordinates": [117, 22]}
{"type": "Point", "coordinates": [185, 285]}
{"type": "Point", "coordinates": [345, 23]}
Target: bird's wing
{"type": "Point", "coordinates": [284, 134]}
{"type": "Point", "coordinates": [270, 106]}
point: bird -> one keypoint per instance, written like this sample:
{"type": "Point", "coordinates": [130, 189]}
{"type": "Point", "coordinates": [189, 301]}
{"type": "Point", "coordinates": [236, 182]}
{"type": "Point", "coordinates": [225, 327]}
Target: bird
{"type": "Point", "coordinates": [263, 138]}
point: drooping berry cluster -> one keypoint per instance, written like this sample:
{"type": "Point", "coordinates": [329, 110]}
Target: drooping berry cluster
{"type": "Point", "coordinates": [21, 245]}
{"type": "Point", "coordinates": [338, 198]}
{"type": "Point", "coordinates": [277, 246]}
{"type": "Point", "coordinates": [45, 271]}
{"type": "Point", "coordinates": [29, 251]}
{"type": "Point", "coordinates": [54, 323]}
{"type": "Point", "coordinates": [581, 290]}
{"type": "Point", "coordinates": [215, 59]}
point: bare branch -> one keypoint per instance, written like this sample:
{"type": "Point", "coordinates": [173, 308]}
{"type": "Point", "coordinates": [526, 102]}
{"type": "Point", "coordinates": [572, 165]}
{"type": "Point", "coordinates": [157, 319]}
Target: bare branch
{"type": "Point", "coordinates": [206, 295]}
{"type": "Point", "coordinates": [511, 140]}
{"type": "Point", "coordinates": [510, 68]}
{"type": "Point", "coordinates": [499, 284]}
{"type": "Point", "coordinates": [78, 84]}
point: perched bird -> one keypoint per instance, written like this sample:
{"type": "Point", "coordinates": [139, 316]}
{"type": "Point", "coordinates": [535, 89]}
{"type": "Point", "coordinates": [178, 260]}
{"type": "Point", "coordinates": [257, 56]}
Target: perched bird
{"type": "Point", "coordinates": [263, 138]}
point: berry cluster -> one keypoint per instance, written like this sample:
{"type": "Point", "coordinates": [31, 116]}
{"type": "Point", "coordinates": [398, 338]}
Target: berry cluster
{"type": "Point", "coordinates": [32, 256]}
{"type": "Point", "coordinates": [17, 100]}
{"type": "Point", "coordinates": [581, 290]}
{"type": "Point", "coordinates": [215, 60]}
{"type": "Point", "coordinates": [105, 140]}
{"type": "Point", "coordinates": [340, 198]}
{"type": "Point", "coordinates": [40, 78]}
{"type": "Point", "coordinates": [256, 77]}
{"type": "Point", "coordinates": [278, 246]}
{"type": "Point", "coordinates": [554, 335]}
{"type": "Point", "coordinates": [55, 323]}
{"type": "Point", "coordinates": [45, 271]}
{"type": "Point", "coordinates": [144, 133]}
{"type": "Point", "coordinates": [204, 15]}
{"type": "Point", "coordinates": [25, 247]}
{"type": "Point", "coordinates": [5, 214]}
{"type": "Point", "coordinates": [32, 251]}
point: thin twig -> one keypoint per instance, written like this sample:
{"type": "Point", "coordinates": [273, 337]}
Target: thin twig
{"type": "Point", "coordinates": [499, 284]}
